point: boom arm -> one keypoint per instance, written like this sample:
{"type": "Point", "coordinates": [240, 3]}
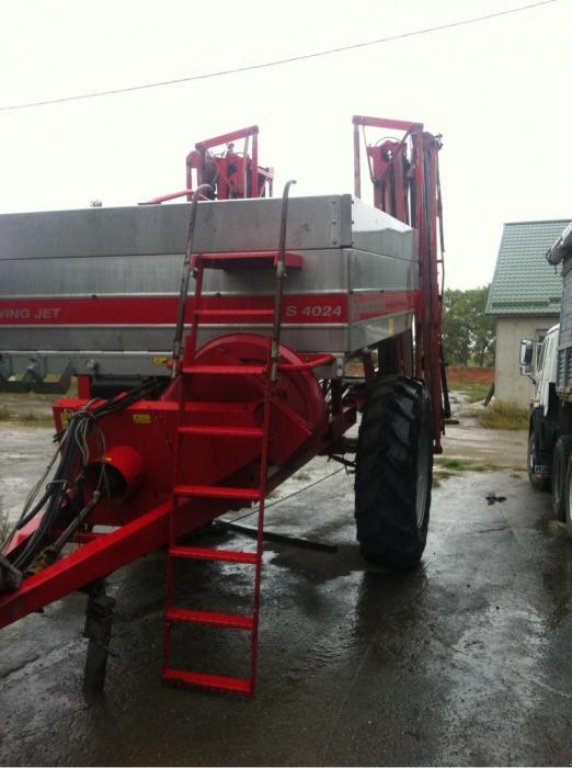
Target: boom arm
{"type": "Point", "coordinates": [404, 172]}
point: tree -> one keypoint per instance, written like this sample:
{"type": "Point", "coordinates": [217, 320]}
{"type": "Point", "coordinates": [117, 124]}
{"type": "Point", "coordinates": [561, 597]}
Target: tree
{"type": "Point", "coordinates": [468, 333]}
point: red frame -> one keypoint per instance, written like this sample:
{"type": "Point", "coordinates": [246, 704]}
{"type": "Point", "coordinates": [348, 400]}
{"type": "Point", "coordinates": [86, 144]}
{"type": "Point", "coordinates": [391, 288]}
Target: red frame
{"type": "Point", "coordinates": [147, 430]}
{"type": "Point", "coordinates": [302, 421]}
{"type": "Point", "coordinates": [232, 174]}
{"type": "Point", "coordinates": [405, 177]}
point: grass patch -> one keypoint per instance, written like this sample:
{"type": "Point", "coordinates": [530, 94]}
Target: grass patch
{"type": "Point", "coordinates": [29, 416]}
{"type": "Point", "coordinates": [475, 391]}
{"type": "Point", "coordinates": [503, 415]}
{"type": "Point", "coordinates": [24, 417]}
{"type": "Point", "coordinates": [302, 476]}
{"type": "Point", "coordinates": [472, 382]}
{"type": "Point", "coordinates": [458, 464]}
{"type": "Point", "coordinates": [451, 466]}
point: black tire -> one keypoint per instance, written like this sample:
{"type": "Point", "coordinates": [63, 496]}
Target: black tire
{"type": "Point", "coordinates": [568, 495]}
{"type": "Point", "coordinates": [560, 458]}
{"type": "Point", "coordinates": [538, 480]}
{"type": "Point", "coordinates": [394, 470]}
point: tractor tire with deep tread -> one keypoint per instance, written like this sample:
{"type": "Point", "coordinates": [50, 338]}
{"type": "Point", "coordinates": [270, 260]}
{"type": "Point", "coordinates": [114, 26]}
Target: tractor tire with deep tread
{"type": "Point", "coordinates": [394, 468]}
{"type": "Point", "coordinates": [560, 458]}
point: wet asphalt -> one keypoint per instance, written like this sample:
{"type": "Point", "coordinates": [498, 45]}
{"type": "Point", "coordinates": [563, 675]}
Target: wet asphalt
{"type": "Point", "coordinates": [466, 661]}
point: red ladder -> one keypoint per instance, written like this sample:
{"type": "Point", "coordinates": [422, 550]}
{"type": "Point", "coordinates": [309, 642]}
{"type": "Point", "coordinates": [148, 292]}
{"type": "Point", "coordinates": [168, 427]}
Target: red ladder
{"type": "Point", "coordinates": [183, 491]}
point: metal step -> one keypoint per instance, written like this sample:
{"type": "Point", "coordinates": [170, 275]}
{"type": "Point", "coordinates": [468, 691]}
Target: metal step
{"type": "Point", "coordinates": [222, 682]}
{"type": "Point", "coordinates": [190, 367]}
{"type": "Point", "coordinates": [240, 370]}
{"type": "Point", "coordinates": [222, 431]}
{"type": "Point", "coordinates": [262, 314]}
{"type": "Point", "coordinates": [231, 620]}
{"type": "Point", "coordinates": [219, 492]}
{"type": "Point", "coordinates": [208, 553]}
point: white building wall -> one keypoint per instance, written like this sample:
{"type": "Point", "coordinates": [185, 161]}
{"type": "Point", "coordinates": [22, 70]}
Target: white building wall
{"type": "Point", "coordinates": [510, 386]}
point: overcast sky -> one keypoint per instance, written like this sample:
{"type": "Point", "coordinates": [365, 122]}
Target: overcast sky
{"type": "Point", "coordinates": [498, 91]}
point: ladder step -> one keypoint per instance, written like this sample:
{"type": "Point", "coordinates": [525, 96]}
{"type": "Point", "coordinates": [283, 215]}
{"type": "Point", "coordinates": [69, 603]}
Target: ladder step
{"type": "Point", "coordinates": [232, 313]}
{"type": "Point", "coordinates": [222, 682]}
{"type": "Point", "coordinates": [219, 492]}
{"type": "Point", "coordinates": [232, 620]}
{"type": "Point", "coordinates": [217, 407]}
{"type": "Point", "coordinates": [244, 370]}
{"type": "Point", "coordinates": [222, 431]}
{"type": "Point", "coordinates": [207, 553]}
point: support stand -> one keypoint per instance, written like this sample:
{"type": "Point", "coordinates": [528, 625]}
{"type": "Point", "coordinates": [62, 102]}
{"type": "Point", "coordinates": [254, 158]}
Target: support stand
{"type": "Point", "coordinates": [98, 624]}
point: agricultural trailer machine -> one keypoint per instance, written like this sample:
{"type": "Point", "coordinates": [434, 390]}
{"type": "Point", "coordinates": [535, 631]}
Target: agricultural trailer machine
{"type": "Point", "coordinates": [210, 341]}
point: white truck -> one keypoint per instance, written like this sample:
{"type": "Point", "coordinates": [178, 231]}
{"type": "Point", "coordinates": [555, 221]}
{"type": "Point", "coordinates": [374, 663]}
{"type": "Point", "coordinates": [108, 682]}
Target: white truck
{"type": "Point", "coordinates": [550, 367]}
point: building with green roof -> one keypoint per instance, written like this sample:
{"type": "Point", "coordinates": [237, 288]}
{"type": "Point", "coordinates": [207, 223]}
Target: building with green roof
{"type": "Point", "coordinates": [525, 299]}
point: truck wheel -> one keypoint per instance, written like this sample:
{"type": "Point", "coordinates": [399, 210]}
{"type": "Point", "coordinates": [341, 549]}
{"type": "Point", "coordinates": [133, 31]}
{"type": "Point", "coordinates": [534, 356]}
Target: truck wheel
{"type": "Point", "coordinates": [562, 452]}
{"type": "Point", "coordinates": [394, 470]}
{"type": "Point", "coordinates": [568, 495]}
{"type": "Point", "coordinates": [539, 480]}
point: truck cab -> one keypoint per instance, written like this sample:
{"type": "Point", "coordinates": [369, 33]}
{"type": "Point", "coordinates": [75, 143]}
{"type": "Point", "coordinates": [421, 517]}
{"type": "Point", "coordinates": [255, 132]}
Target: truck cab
{"type": "Point", "coordinates": [550, 367]}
